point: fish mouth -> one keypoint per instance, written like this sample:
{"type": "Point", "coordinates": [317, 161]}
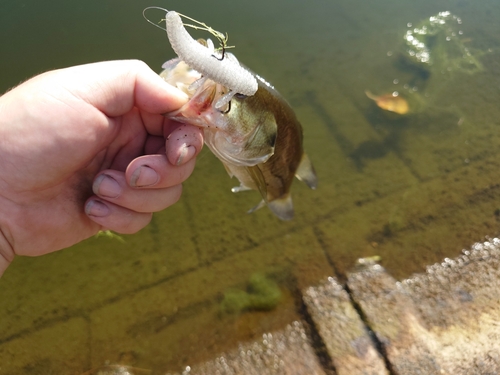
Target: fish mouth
{"type": "Point", "coordinates": [203, 99]}
{"type": "Point", "coordinates": [200, 103]}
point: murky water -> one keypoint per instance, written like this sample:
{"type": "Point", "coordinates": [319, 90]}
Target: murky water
{"type": "Point", "coordinates": [411, 189]}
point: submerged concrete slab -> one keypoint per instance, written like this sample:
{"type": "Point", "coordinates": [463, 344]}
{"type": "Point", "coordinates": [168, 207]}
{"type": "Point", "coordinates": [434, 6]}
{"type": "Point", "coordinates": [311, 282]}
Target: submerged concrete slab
{"type": "Point", "coordinates": [345, 336]}
{"type": "Point", "coordinates": [458, 302]}
{"type": "Point", "coordinates": [445, 321]}
{"type": "Point", "coordinates": [389, 312]}
{"type": "Point", "coordinates": [25, 356]}
{"type": "Point", "coordinates": [288, 352]}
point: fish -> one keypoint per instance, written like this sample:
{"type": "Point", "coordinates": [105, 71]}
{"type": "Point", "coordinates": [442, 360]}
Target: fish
{"type": "Point", "coordinates": [390, 102]}
{"type": "Point", "coordinates": [258, 137]}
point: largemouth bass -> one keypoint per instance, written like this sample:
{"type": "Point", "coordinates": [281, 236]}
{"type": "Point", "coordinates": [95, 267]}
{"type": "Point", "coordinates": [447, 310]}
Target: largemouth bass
{"type": "Point", "coordinates": [258, 138]}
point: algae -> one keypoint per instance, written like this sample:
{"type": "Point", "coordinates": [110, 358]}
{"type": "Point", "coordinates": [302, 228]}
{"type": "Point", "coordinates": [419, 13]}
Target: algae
{"type": "Point", "coordinates": [109, 234]}
{"type": "Point", "coordinates": [261, 294]}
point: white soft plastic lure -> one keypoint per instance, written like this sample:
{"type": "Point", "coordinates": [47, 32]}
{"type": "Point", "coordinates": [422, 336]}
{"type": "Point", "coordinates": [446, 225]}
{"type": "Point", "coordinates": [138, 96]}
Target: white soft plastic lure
{"type": "Point", "coordinates": [225, 70]}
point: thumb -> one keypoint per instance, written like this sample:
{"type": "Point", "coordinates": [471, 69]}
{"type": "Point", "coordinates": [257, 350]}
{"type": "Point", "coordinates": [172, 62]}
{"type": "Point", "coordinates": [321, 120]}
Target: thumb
{"type": "Point", "coordinates": [118, 86]}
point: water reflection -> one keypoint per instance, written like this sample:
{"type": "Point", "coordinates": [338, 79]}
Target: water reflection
{"type": "Point", "coordinates": [439, 41]}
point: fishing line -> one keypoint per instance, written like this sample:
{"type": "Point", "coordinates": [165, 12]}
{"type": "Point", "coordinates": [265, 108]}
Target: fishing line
{"type": "Point", "coordinates": [151, 22]}
{"type": "Point", "coordinates": [202, 26]}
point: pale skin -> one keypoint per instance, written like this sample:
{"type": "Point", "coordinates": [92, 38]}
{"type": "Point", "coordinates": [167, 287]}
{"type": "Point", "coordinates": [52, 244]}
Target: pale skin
{"type": "Point", "coordinates": [84, 149]}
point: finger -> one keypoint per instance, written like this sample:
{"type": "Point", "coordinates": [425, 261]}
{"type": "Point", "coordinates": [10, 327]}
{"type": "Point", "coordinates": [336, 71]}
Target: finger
{"type": "Point", "coordinates": [112, 187]}
{"type": "Point", "coordinates": [155, 171]}
{"type": "Point", "coordinates": [178, 137]}
{"type": "Point", "coordinates": [114, 217]}
{"type": "Point", "coordinates": [154, 145]}
{"type": "Point", "coordinates": [118, 86]}
{"type": "Point", "coordinates": [183, 143]}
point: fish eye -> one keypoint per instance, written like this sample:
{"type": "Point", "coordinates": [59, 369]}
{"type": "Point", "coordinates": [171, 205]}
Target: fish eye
{"type": "Point", "coordinates": [240, 96]}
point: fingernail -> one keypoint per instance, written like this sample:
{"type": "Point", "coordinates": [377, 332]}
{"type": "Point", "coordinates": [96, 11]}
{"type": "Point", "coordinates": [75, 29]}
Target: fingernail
{"type": "Point", "coordinates": [96, 208]}
{"type": "Point", "coordinates": [106, 186]}
{"type": "Point", "coordinates": [186, 154]}
{"type": "Point", "coordinates": [143, 177]}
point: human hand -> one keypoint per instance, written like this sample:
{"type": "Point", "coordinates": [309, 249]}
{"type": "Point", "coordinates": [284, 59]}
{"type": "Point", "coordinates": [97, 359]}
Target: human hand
{"type": "Point", "coordinates": [84, 149]}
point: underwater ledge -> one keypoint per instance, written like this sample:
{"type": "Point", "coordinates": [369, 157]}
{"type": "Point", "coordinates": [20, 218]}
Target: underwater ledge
{"type": "Point", "coordinates": [443, 321]}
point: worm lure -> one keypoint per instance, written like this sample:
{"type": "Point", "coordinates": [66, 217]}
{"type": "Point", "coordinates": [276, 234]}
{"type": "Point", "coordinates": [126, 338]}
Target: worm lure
{"type": "Point", "coordinates": [224, 69]}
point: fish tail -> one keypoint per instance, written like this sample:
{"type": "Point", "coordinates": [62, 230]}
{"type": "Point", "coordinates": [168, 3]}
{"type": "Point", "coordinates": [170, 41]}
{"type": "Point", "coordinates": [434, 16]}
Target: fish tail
{"type": "Point", "coordinates": [370, 95]}
{"type": "Point", "coordinates": [305, 172]}
{"type": "Point", "coordinates": [282, 207]}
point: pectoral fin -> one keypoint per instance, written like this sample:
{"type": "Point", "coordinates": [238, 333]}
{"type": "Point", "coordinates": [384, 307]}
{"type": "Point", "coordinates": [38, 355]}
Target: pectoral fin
{"type": "Point", "coordinates": [228, 170]}
{"type": "Point", "coordinates": [260, 205]}
{"type": "Point", "coordinates": [259, 144]}
{"type": "Point", "coordinates": [305, 172]}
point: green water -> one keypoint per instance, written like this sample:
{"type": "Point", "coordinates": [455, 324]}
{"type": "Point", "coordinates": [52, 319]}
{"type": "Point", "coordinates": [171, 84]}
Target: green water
{"type": "Point", "coordinates": [411, 189]}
